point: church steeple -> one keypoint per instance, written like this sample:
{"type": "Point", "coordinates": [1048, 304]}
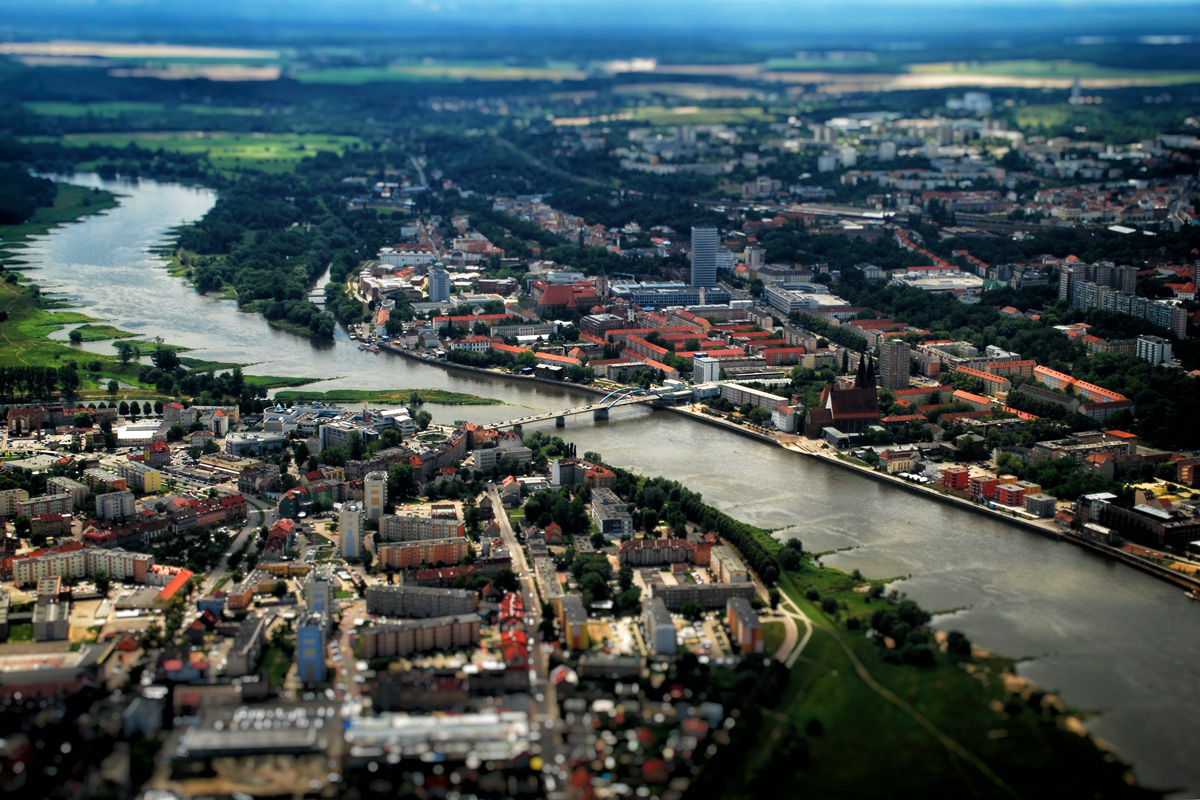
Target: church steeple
{"type": "Point", "coordinates": [871, 372]}
{"type": "Point", "coordinates": [861, 375]}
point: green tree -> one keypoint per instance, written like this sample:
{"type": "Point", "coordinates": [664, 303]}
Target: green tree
{"type": "Point", "coordinates": [103, 582]}
{"type": "Point", "coordinates": [113, 388]}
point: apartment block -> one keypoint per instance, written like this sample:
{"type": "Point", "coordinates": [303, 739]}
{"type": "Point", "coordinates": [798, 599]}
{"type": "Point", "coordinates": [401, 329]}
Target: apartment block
{"type": "Point", "coordinates": [140, 477]}
{"type": "Point", "coordinates": [433, 552]}
{"type": "Point", "coordinates": [727, 567]}
{"type": "Point", "coordinates": [419, 602]}
{"type": "Point", "coordinates": [415, 636]}
{"type": "Point", "coordinates": [375, 494]}
{"type": "Point", "coordinates": [9, 498]}
{"type": "Point", "coordinates": [45, 504]}
{"type": "Point", "coordinates": [745, 629]}
{"type": "Point", "coordinates": [412, 528]}
{"type": "Point", "coordinates": [115, 505]}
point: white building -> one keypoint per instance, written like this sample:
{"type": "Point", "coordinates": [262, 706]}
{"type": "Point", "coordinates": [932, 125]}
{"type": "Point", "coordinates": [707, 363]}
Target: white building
{"type": "Point", "coordinates": [115, 505]}
{"type": "Point", "coordinates": [705, 369]}
{"type": "Point", "coordinates": [1154, 349]}
{"type": "Point", "coordinates": [660, 631]}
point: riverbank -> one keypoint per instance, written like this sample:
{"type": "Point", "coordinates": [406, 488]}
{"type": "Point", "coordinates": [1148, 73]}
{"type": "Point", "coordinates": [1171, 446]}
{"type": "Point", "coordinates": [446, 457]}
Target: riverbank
{"type": "Point", "coordinates": [1048, 529]}
{"type": "Point", "coordinates": [70, 205]}
{"type": "Point", "coordinates": [851, 703]}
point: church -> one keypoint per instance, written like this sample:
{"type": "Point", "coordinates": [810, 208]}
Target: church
{"type": "Point", "coordinates": [849, 410]}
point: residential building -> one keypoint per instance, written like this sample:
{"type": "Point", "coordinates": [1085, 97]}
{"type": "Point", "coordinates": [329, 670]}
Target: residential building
{"type": "Point", "coordinates": [705, 242]}
{"type": "Point", "coordinates": [727, 567]}
{"type": "Point", "coordinates": [655, 552]}
{"type": "Point", "coordinates": [350, 530]}
{"type": "Point", "coordinates": [1041, 505]}
{"type": "Point", "coordinates": [419, 602]}
{"type": "Point", "coordinates": [439, 285]}
{"type": "Point", "coordinates": [658, 628]}
{"type": "Point", "coordinates": [415, 636]}
{"type": "Point", "coordinates": [140, 477]}
{"type": "Point", "coordinates": [572, 619]}
{"type": "Point", "coordinates": [59, 485]}
{"type": "Point", "coordinates": [248, 645]}
{"type": "Point", "coordinates": [708, 595]}
{"type": "Point", "coordinates": [610, 515]}
{"type": "Point", "coordinates": [1011, 494]}
{"type": "Point", "coordinates": [895, 359]}
{"type": "Point", "coordinates": [9, 498]}
{"type": "Point", "coordinates": [310, 647]}
{"type": "Point", "coordinates": [1154, 349]}
{"type": "Point", "coordinates": [705, 369]}
{"type": "Point", "coordinates": [51, 617]}
{"type": "Point", "coordinates": [432, 552]}
{"type": "Point", "coordinates": [745, 629]}
{"type": "Point", "coordinates": [115, 505]}
{"type": "Point", "coordinates": [320, 591]}
{"type": "Point", "coordinates": [45, 504]}
{"type": "Point", "coordinates": [412, 528]}
{"type": "Point", "coordinates": [375, 494]}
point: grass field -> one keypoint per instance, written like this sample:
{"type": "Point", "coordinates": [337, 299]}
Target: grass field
{"type": "Point", "coordinates": [773, 635]}
{"type": "Point", "coordinates": [20, 632]}
{"type": "Point", "coordinates": [275, 664]}
{"type": "Point", "coordinates": [1052, 68]}
{"type": "Point", "coordinates": [113, 109]}
{"type": "Point", "coordinates": [98, 333]}
{"type": "Point", "coordinates": [479, 71]}
{"type": "Point", "coordinates": [265, 152]}
{"type": "Point", "coordinates": [846, 711]}
{"type": "Point", "coordinates": [698, 115]}
{"type": "Point", "coordinates": [401, 396]}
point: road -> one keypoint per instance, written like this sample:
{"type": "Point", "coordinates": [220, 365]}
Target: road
{"type": "Point", "coordinates": [260, 516]}
{"type": "Point", "coordinates": [543, 715]}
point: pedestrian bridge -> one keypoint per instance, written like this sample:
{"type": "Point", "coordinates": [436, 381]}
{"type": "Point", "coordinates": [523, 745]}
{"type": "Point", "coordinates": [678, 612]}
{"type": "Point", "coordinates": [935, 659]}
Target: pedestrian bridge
{"type": "Point", "coordinates": [628, 396]}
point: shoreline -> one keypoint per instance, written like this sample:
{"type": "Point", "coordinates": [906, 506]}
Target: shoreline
{"type": "Point", "coordinates": [1179, 579]}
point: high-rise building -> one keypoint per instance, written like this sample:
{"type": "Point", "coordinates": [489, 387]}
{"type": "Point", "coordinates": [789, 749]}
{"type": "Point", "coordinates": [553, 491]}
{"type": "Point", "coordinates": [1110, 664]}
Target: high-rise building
{"type": "Point", "coordinates": [350, 529]}
{"type": "Point", "coordinates": [1154, 349]}
{"type": "Point", "coordinates": [895, 358]}
{"type": "Point", "coordinates": [439, 285]}
{"type": "Point", "coordinates": [310, 647]}
{"type": "Point", "coordinates": [375, 494]}
{"type": "Point", "coordinates": [319, 592]}
{"type": "Point", "coordinates": [705, 241]}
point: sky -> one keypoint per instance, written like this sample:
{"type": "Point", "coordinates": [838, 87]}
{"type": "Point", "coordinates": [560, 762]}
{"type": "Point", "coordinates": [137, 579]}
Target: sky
{"type": "Point", "coordinates": [851, 20]}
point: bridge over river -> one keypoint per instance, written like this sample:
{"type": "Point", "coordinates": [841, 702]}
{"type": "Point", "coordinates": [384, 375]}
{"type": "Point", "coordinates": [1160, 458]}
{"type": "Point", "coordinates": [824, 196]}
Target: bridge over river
{"type": "Point", "coordinates": [628, 396]}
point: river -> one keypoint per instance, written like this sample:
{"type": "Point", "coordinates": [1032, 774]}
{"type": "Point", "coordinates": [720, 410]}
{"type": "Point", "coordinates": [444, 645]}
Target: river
{"type": "Point", "coordinates": [1109, 639]}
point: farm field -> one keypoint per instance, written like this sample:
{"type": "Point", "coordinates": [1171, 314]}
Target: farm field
{"type": "Point", "coordinates": [1052, 68]}
{"type": "Point", "coordinates": [440, 72]}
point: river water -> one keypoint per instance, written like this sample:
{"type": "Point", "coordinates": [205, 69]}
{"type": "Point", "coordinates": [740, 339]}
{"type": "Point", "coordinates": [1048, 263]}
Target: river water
{"type": "Point", "coordinates": [1107, 638]}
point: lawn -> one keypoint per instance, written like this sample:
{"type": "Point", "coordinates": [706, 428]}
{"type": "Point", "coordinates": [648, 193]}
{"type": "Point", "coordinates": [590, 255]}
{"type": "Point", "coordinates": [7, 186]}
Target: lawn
{"type": "Point", "coordinates": [275, 664]}
{"type": "Point", "coordinates": [773, 635]}
{"type": "Point", "coordinates": [98, 333]}
{"type": "Point", "coordinates": [227, 152]}
{"type": "Point", "coordinates": [20, 632]}
{"type": "Point", "coordinates": [699, 115]}
{"type": "Point", "coordinates": [401, 396]}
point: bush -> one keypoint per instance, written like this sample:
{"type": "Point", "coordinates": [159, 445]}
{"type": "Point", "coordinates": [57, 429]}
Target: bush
{"type": "Point", "coordinates": [812, 594]}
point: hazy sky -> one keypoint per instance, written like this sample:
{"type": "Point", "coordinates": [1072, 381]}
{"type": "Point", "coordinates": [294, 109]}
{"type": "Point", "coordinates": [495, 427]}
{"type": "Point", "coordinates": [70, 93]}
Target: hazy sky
{"type": "Point", "coordinates": [851, 19]}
